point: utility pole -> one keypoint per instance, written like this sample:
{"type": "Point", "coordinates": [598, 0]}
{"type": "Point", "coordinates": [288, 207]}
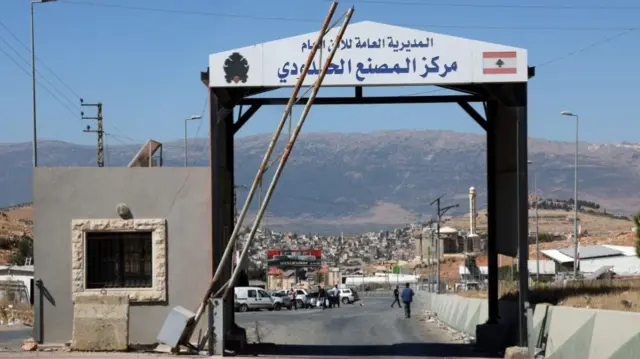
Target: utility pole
{"type": "Point", "coordinates": [99, 131]}
{"type": "Point", "coordinates": [432, 271]}
{"type": "Point", "coordinates": [537, 199]}
{"type": "Point", "coordinates": [440, 212]}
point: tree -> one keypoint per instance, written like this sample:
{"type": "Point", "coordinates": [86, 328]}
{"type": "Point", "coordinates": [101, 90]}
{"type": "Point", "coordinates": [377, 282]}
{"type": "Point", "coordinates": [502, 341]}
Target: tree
{"type": "Point", "coordinates": [23, 250]}
{"type": "Point", "coordinates": [636, 220]}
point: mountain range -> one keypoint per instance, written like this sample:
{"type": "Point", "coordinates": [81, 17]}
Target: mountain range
{"type": "Point", "coordinates": [356, 180]}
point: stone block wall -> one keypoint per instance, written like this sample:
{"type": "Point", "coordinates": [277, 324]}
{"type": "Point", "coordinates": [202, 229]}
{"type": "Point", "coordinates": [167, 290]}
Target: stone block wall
{"type": "Point", "coordinates": [100, 323]}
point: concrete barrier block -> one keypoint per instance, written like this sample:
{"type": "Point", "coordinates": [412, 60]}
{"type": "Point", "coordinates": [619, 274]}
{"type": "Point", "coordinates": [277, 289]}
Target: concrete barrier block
{"type": "Point", "coordinates": [473, 316]}
{"type": "Point", "coordinates": [616, 335]}
{"type": "Point", "coordinates": [100, 323]}
{"type": "Point", "coordinates": [570, 332]}
{"type": "Point", "coordinates": [461, 315]}
{"type": "Point", "coordinates": [484, 312]}
{"type": "Point", "coordinates": [540, 319]}
{"type": "Point", "coordinates": [451, 304]}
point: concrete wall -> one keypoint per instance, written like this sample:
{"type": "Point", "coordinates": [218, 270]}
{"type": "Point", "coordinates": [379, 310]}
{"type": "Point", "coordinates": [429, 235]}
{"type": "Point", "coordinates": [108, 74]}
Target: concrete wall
{"type": "Point", "coordinates": [464, 314]}
{"type": "Point", "coordinates": [179, 195]}
{"type": "Point", "coordinates": [568, 333]}
{"type": "Point", "coordinates": [563, 332]}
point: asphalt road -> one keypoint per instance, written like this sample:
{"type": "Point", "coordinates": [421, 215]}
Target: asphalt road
{"type": "Point", "coordinates": [12, 336]}
{"type": "Point", "coordinates": [372, 329]}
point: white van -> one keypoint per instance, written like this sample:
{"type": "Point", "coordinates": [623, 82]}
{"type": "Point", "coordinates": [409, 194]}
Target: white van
{"type": "Point", "coordinates": [252, 298]}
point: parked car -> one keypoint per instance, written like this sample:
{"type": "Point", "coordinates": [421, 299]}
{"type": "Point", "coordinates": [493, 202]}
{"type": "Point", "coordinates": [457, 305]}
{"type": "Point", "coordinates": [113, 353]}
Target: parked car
{"type": "Point", "coordinates": [301, 298]}
{"type": "Point", "coordinates": [281, 300]}
{"type": "Point", "coordinates": [348, 296]}
{"type": "Point", "coordinates": [311, 300]}
{"type": "Point", "coordinates": [252, 298]}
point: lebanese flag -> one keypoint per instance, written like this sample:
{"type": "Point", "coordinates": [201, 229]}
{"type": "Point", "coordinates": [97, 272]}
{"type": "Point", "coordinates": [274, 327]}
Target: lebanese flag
{"type": "Point", "coordinates": [499, 63]}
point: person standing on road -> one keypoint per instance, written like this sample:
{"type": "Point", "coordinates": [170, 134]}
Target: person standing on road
{"type": "Point", "coordinates": [407, 298]}
{"type": "Point", "coordinates": [336, 293]}
{"type": "Point", "coordinates": [322, 295]}
{"type": "Point", "coordinates": [292, 295]}
{"type": "Point", "coordinates": [396, 296]}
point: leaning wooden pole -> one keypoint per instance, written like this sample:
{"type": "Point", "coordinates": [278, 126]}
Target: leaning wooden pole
{"type": "Point", "coordinates": [287, 152]}
{"type": "Point", "coordinates": [229, 249]}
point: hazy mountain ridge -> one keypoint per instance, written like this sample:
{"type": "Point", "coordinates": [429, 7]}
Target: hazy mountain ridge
{"type": "Point", "coordinates": [337, 176]}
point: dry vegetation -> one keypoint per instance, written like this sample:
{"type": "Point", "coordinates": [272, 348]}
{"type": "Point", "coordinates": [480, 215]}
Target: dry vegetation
{"type": "Point", "coordinates": [608, 294]}
{"type": "Point", "coordinates": [617, 294]}
{"type": "Point", "coordinates": [14, 223]}
{"type": "Point", "coordinates": [16, 312]}
{"type": "Point", "coordinates": [555, 221]}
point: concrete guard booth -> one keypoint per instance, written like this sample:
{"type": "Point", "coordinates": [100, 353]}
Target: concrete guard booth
{"type": "Point", "coordinates": [70, 203]}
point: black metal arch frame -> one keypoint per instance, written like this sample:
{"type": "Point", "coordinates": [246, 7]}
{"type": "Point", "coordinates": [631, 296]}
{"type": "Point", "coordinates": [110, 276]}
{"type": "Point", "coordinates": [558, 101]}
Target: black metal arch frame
{"type": "Point", "coordinates": [505, 123]}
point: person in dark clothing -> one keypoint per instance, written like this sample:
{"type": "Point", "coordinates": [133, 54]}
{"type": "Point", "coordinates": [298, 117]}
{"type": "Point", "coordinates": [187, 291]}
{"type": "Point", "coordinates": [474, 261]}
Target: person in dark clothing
{"type": "Point", "coordinates": [322, 296]}
{"type": "Point", "coordinates": [396, 296]}
{"type": "Point", "coordinates": [407, 298]}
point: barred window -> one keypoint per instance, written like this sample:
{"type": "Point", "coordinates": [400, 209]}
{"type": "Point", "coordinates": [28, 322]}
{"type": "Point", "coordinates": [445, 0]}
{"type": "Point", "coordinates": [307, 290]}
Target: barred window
{"type": "Point", "coordinates": [118, 260]}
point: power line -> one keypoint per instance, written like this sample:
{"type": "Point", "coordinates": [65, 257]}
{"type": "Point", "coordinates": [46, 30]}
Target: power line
{"type": "Point", "coordinates": [184, 12]}
{"type": "Point", "coordinates": [75, 113]}
{"type": "Point", "coordinates": [37, 58]}
{"type": "Point", "coordinates": [498, 6]}
{"type": "Point", "coordinates": [37, 72]}
{"type": "Point", "coordinates": [117, 138]}
{"type": "Point", "coordinates": [122, 134]}
{"type": "Point", "coordinates": [600, 42]}
{"type": "Point", "coordinates": [306, 20]}
{"type": "Point", "coordinates": [106, 149]}
{"type": "Point", "coordinates": [204, 143]}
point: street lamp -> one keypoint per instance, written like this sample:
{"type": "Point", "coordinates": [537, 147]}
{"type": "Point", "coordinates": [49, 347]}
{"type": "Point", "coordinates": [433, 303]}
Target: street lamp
{"type": "Point", "coordinates": [575, 197]}
{"type": "Point", "coordinates": [33, 83]}
{"type": "Point", "coordinates": [440, 212]}
{"type": "Point", "coordinates": [192, 118]}
{"type": "Point", "coordinates": [535, 191]}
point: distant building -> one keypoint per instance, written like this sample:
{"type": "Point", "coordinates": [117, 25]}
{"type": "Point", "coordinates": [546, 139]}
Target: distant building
{"type": "Point", "coordinates": [16, 283]}
{"type": "Point", "coordinates": [619, 259]}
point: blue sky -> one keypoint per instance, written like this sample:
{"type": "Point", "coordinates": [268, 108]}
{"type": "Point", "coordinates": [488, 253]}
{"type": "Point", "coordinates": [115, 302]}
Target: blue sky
{"type": "Point", "coordinates": [144, 65]}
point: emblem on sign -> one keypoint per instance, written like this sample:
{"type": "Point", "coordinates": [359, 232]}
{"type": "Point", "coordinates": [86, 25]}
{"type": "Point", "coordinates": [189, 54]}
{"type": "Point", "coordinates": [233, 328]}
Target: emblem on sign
{"type": "Point", "coordinates": [236, 68]}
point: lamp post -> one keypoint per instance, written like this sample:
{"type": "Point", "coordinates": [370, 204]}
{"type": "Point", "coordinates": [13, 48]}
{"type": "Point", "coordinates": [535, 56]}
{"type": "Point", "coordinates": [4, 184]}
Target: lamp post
{"type": "Point", "coordinates": [575, 197]}
{"type": "Point", "coordinates": [192, 118]}
{"type": "Point", "coordinates": [440, 212]}
{"type": "Point", "coordinates": [535, 191]}
{"type": "Point", "coordinates": [33, 83]}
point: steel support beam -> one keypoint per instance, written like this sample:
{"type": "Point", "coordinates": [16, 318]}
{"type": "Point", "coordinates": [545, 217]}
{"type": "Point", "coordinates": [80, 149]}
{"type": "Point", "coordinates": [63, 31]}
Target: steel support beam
{"type": "Point", "coordinates": [474, 114]}
{"type": "Point", "coordinates": [507, 191]}
{"type": "Point", "coordinates": [245, 118]}
{"type": "Point", "coordinates": [523, 208]}
{"type": "Point", "coordinates": [368, 100]}
{"type": "Point", "coordinates": [492, 249]}
{"type": "Point", "coordinates": [221, 154]}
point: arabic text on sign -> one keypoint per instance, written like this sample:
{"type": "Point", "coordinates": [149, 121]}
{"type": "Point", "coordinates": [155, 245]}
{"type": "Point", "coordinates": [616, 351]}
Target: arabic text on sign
{"type": "Point", "coordinates": [423, 67]}
{"type": "Point", "coordinates": [380, 43]}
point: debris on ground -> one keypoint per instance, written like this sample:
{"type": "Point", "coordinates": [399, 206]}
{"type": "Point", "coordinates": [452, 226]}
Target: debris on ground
{"type": "Point", "coordinates": [460, 337]}
{"type": "Point", "coordinates": [29, 345]}
{"type": "Point", "coordinates": [516, 353]}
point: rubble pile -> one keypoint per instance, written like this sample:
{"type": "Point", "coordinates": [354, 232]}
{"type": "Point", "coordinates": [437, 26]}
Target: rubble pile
{"type": "Point", "coordinates": [460, 337]}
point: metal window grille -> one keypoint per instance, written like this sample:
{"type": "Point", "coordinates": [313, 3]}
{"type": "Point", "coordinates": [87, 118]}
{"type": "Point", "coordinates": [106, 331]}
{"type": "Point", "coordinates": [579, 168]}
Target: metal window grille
{"type": "Point", "coordinates": [118, 260]}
